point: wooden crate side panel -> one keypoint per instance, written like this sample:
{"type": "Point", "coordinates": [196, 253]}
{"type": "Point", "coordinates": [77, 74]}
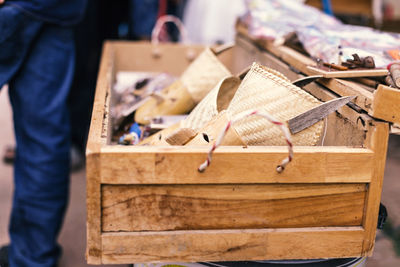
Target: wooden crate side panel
{"type": "Point", "coordinates": [142, 56]}
{"type": "Point", "coordinates": [357, 7]}
{"type": "Point", "coordinates": [386, 104]}
{"type": "Point", "coordinates": [378, 140]}
{"type": "Point", "coordinates": [200, 207]}
{"type": "Point", "coordinates": [96, 136]}
{"type": "Point", "coordinates": [344, 133]}
{"type": "Point", "coordinates": [232, 165]}
{"type": "Point", "coordinates": [93, 207]}
{"type": "Point", "coordinates": [232, 245]}
{"type": "Point", "coordinates": [96, 140]}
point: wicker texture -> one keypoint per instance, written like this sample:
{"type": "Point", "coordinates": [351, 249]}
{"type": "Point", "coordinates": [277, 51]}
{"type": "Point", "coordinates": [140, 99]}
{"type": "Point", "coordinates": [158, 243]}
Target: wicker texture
{"type": "Point", "coordinates": [216, 100]}
{"type": "Point", "coordinates": [203, 74]}
{"type": "Point", "coordinates": [262, 90]}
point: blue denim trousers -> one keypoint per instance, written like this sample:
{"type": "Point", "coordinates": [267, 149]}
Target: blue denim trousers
{"type": "Point", "coordinates": [37, 61]}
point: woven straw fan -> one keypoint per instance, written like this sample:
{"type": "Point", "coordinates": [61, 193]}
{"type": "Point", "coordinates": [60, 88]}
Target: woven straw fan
{"type": "Point", "coordinates": [184, 94]}
{"type": "Point", "coordinates": [268, 93]}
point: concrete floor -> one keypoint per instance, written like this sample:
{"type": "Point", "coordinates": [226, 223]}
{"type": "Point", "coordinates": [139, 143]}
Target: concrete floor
{"type": "Point", "coordinates": [73, 235]}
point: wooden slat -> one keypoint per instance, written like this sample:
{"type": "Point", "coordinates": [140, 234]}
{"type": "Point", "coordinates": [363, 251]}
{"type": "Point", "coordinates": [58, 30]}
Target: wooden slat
{"type": "Point", "coordinates": [232, 245]}
{"type": "Point", "coordinates": [342, 87]}
{"type": "Point", "coordinates": [93, 207]}
{"type": "Point", "coordinates": [232, 165]}
{"type": "Point", "coordinates": [95, 141]}
{"type": "Point", "coordinates": [200, 207]}
{"type": "Point", "coordinates": [96, 137]}
{"type": "Point", "coordinates": [349, 73]}
{"type": "Point", "coordinates": [386, 104]}
{"type": "Point", "coordinates": [142, 56]}
{"type": "Point", "coordinates": [378, 141]}
{"type": "Point", "coordinates": [357, 7]}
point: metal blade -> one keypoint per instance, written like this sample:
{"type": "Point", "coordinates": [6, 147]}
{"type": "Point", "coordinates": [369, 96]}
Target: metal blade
{"type": "Point", "coordinates": [306, 80]}
{"type": "Point", "coordinates": [316, 114]}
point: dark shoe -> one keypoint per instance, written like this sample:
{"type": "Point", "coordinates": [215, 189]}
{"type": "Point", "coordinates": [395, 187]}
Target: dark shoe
{"type": "Point", "coordinates": [4, 256]}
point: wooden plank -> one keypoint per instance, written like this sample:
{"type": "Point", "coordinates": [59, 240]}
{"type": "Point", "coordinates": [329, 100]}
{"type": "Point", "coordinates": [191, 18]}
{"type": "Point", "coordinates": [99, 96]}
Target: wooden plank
{"type": "Point", "coordinates": [142, 56]}
{"type": "Point", "coordinates": [178, 165]}
{"type": "Point", "coordinates": [349, 73]}
{"type": "Point", "coordinates": [378, 141]}
{"type": "Point", "coordinates": [232, 245]}
{"type": "Point", "coordinates": [96, 138]}
{"type": "Point", "coordinates": [201, 207]}
{"type": "Point", "coordinates": [357, 7]}
{"type": "Point", "coordinates": [296, 60]}
{"type": "Point", "coordinates": [343, 132]}
{"type": "Point", "coordinates": [95, 141]}
{"type": "Point", "coordinates": [342, 87]}
{"type": "Point", "coordinates": [93, 207]}
{"type": "Point", "coordinates": [386, 104]}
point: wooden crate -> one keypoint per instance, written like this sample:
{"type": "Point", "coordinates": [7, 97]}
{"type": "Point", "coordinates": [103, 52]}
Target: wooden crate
{"type": "Point", "coordinates": [150, 204]}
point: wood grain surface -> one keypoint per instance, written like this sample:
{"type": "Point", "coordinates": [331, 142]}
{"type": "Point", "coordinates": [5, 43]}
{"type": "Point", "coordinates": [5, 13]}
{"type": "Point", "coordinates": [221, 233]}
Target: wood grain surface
{"type": "Point", "coordinates": [232, 245]}
{"type": "Point", "coordinates": [349, 73]}
{"type": "Point", "coordinates": [199, 207]}
{"type": "Point", "coordinates": [232, 165]}
{"type": "Point", "coordinates": [96, 139]}
{"type": "Point", "coordinates": [378, 141]}
{"type": "Point", "coordinates": [386, 104]}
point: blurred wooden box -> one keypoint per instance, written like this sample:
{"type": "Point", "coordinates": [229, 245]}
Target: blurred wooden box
{"type": "Point", "coordinates": [354, 7]}
{"type": "Point", "coordinates": [150, 204]}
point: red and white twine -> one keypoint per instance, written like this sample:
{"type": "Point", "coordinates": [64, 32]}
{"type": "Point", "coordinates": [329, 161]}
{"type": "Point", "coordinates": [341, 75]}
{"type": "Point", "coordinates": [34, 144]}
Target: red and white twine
{"type": "Point", "coordinates": [241, 116]}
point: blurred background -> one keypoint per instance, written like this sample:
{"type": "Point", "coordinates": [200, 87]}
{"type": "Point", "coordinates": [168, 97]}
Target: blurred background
{"type": "Point", "coordinates": [207, 22]}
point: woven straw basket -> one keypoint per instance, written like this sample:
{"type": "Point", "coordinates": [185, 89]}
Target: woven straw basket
{"type": "Point", "coordinates": [215, 101]}
{"type": "Point", "coordinates": [183, 95]}
{"type": "Point", "coordinates": [268, 93]}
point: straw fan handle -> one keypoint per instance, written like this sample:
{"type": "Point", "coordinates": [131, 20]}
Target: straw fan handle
{"type": "Point", "coordinates": [155, 34]}
{"type": "Point", "coordinates": [241, 116]}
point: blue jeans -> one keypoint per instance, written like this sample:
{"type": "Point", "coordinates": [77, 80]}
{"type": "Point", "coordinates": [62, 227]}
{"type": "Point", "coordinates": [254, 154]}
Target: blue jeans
{"type": "Point", "coordinates": [37, 61]}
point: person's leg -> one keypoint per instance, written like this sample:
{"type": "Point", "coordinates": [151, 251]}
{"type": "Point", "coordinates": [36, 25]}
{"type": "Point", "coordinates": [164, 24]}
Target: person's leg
{"type": "Point", "coordinates": [17, 32]}
{"type": "Point", "coordinates": [38, 93]}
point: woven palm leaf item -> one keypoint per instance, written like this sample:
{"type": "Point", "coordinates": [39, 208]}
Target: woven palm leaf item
{"type": "Point", "coordinates": [185, 93]}
{"type": "Point", "coordinates": [268, 93]}
{"type": "Point", "coordinates": [215, 101]}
